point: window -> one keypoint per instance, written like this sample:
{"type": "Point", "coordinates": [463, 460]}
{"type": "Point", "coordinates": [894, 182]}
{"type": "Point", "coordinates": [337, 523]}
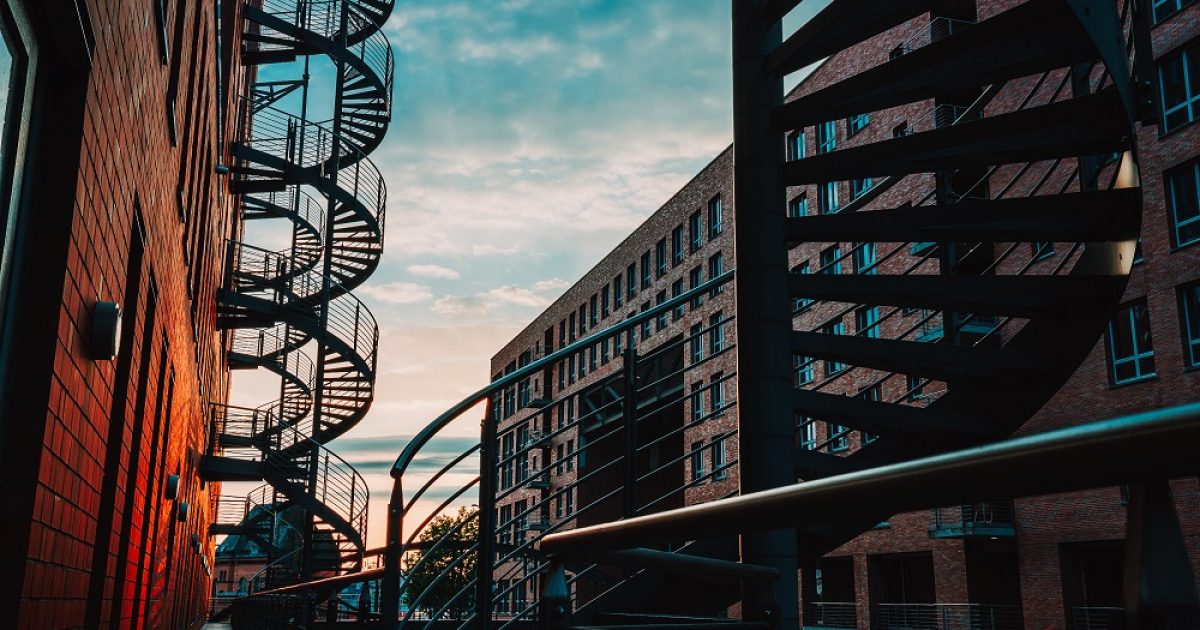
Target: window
{"type": "Point", "coordinates": [1164, 9]}
{"type": "Point", "coordinates": [795, 145]}
{"type": "Point", "coordinates": [859, 186]}
{"type": "Point", "coordinates": [695, 279]}
{"type": "Point", "coordinates": [696, 341]}
{"type": "Point", "coordinates": [833, 367]}
{"type": "Point", "coordinates": [570, 501]}
{"type": "Point", "coordinates": [864, 259]}
{"type": "Point", "coordinates": [831, 262]}
{"type": "Point", "coordinates": [571, 326]}
{"type": "Point", "coordinates": [660, 258]}
{"type": "Point", "coordinates": [1184, 209]}
{"type": "Point", "coordinates": [677, 245]}
{"type": "Point", "coordinates": [915, 387]}
{"type": "Point", "coordinates": [662, 317]}
{"type": "Point", "coordinates": [617, 343]}
{"type": "Point", "coordinates": [866, 322]}
{"type": "Point", "coordinates": [697, 461]}
{"type": "Point", "coordinates": [718, 459]}
{"type": "Point", "coordinates": [646, 323]}
{"type": "Point", "coordinates": [802, 368]}
{"type": "Point", "coordinates": [1179, 88]}
{"type": "Point", "coordinates": [716, 267]}
{"type": "Point", "coordinates": [505, 530]}
{"type": "Point", "coordinates": [901, 130]}
{"type": "Point", "coordinates": [1189, 307]}
{"type": "Point", "coordinates": [716, 333]}
{"type": "Point", "coordinates": [839, 437]}
{"type": "Point", "coordinates": [695, 231]}
{"type": "Point", "coordinates": [857, 123]}
{"type": "Point", "coordinates": [715, 224]}
{"type": "Point", "coordinates": [583, 327]}
{"type": "Point", "coordinates": [631, 282]}
{"type": "Point", "coordinates": [676, 291]}
{"type": "Point", "coordinates": [1042, 250]}
{"type": "Point", "coordinates": [647, 273]}
{"type": "Point", "coordinates": [592, 364]}
{"type": "Point", "coordinates": [507, 446]}
{"type": "Point", "coordinates": [604, 351]}
{"type": "Point", "coordinates": [798, 206]}
{"type": "Point", "coordinates": [559, 456]}
{"type": "Point", "coordinates": [593, 312]}
{"type": "Point", "coordinates": [571, 454]}
{"type": "Point", "coordinates": [717, 394]}
{"type": "Point", "coordinates": [1130, 351]}
{"type": "Point", "coordinates": [872, 394]}
{"type": "Point", "coordinates": [604, 302]}
{"type": "Point", "coordinates": [827, 197]}
{"type": "Point", "coordinates": [800, 303]}
{"type": "Point", "coordinates": [697, 401]}
{"type": "Point", "coordinates": [826, 137]}
{"type": "Point", "coordinates": [618, 294]}
{"type": "Point", "coordinates": [807, 428]}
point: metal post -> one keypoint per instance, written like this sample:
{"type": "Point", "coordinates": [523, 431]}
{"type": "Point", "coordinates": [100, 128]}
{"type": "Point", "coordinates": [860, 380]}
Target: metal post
{"type": "Point", "coordinates": [763, 322]}
{"type": "Point", "coordinates": [487, 517]}
{"type": "Point", "coordinates": [629, 417]}
{"type": "Point", "coordinates": [1160, 586]}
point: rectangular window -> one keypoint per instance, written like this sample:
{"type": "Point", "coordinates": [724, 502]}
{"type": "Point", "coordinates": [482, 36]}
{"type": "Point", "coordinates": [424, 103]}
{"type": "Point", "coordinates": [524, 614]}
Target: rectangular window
{"type": "Point", "coordinates": [839, 437]}
{"type": "Point", "coordinates": [1179, 87]}
{"type": "Point", "coordinates": [795, 145]}
{"type": "Point", "coordinates": [798, 206]}
{"type": "Point", "coordinates": [571, 501]}
{"type": "Point", "coordinates": [802, 368]}
{"type": "Point", "coordinates": [646, 323]}
{"type": "Point", "coordinates": [718, 459]}
{"type": "Point", "coordinates": [800, 303]}
{"type": "Point", "coordinates": [915, 387]}
{"type": "Point", "coordinates": [665, 315]}
{"type": "Point", "coordinates": [647, 272]}
{"type": "Point", "coordinates": [695, 279]}
{"type": "Point", "coordinates": [871, 394]}
{"type": "Point", "coordinates": [807, 429]}
{"type": "Point", "coordinates": [1130, 351]}
{"type": "Point", "coordinates": [697, 401]}
{"type": "Point", "coordinates": [696, 341]}
{"type": "Point", "coordinates": [618, 294]}
{"type": "Point", "coordinates": [826, 137]}
{"type": "Point", "coordinates": [831, 262]}
{"type": "Point", "coordinates": [716, 267]}
{"type": "Point", "coordinates": [858, 187]}
{"type": "Point", "coordinates": [604, 351]}
{"type": "Point", "coordinates": [1189, 307]}
{"type": "Point", "coordinates": [631, 281]}
{"type": "Point", "coordinates": [604, 302]}
{"type": "Point", "coordinates": [827, 198]}
{"type": "Point", "coordinates": [697, 461]}
{"type": "Point", "coordinates": [660, 258]}
{"type": "Point", "coordinates": [571, 326]}
{"type": "Point", "coordinates": [1164, 9]}
{"type": "Point", "coordinates": [593, 312]}
{"type": "Point", "coordinates": [833, 367]}
{"type": "Point", "coordinates": [559, 451]}
{"type": "Point", "coordinates": [592, 359]}
{"type": "Point", "coordinates": [695, 231]}
{"type": "Point", "coordinates": [864, 259]}
{"type": "Point", "coordinates": [715, 222]}
{"type": "Point", "coordinates": [583, 328]}
{"type": "Point", "coordinates": [716, 333]}
{"type": "Point", "coordinates": [717, 393]}
{"type": "Point", "coordinates": [857, 123]}
{"type": "Point", "coordinates": [866, 322]}
{"type": "Point", "coordinates": [617, 349]}
{"type": "Point", "coordinates": [676, 291]}
{"type": "Point", "coordinates": [571, 455]}
{"type": "Point", "coordinates": [677, 245]}
{"type": "Point", "coordinates": [1183, 207]}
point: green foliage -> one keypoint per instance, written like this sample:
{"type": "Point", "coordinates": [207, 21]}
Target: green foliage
{"type": "Point", "coordinates": [436, 576]}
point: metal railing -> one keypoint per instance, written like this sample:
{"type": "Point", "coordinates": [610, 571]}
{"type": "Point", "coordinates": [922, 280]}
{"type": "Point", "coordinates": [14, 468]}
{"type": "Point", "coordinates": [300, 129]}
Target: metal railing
{"type": "Point", "coordinates": [889, 616]}
{"type": "Point", "coordinates": [988, 518]}
{"type": "Point", "coordinates": [832, 615]}
{"type": "Point", "coordinates": [1097, 618]}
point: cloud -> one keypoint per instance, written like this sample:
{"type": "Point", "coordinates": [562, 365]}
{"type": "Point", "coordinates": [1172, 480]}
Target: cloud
{"type": "Point", "coordinates": [434, 271]}
{"type": "Point", "coordinates": [488, 249]}
{"type": "Point", "coordinates": [460, 306]}
{"type": "Point", "coordinates": [517, 295]}
{"type": "Point", "coordinates": [397, 292]}
{"type": "Point", "coordinates": [552, 284]}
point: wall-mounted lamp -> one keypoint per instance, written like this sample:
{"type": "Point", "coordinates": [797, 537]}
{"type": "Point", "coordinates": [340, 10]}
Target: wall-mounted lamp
{"type": "Point", "coordinates": [222, 169]}
{"type": "Point", "coordinates": [181, 513]}
{"type": "Point", "coordinates": [172, 489]}
{"type": "Point", "coordinates": [105, 334]}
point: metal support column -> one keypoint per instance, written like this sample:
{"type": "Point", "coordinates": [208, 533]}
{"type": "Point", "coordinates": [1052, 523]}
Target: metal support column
{"type": "Point", "coordinates": [1160, 587]}
{"type": "Point", "coordinates": [629, 419]}
{"type": "Point", "coordinates": [763, 322]}
{"type": "Point", "coordinates": [487, 517]}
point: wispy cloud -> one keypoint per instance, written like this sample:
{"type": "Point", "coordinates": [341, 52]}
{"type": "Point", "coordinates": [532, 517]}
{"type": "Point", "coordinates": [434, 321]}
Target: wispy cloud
{"type": "Point", "coordinates": [434, 271]}
{"type": "Point", "coordinates": [398, 292]}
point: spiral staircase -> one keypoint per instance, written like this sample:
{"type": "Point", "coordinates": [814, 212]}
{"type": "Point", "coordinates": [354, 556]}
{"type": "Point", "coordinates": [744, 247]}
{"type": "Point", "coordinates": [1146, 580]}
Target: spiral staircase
{"type": "Point", "coordinates": [292, 312]}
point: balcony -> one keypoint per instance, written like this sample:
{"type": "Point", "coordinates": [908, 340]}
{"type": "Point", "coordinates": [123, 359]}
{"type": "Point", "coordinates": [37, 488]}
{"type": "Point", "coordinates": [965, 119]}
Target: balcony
{"type": "Point", "coordinates": [1097, 618]}
{"type": "Point", "coordinates": [976, 520]}
{"type": "Point", "coordinates": [830, 616]}
{"type": "Point", "coordinates": [946, 617]}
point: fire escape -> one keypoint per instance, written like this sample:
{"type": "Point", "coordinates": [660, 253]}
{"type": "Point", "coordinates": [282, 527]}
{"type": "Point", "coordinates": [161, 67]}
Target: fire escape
{"type": "Point", "coordinates": [292, 311]}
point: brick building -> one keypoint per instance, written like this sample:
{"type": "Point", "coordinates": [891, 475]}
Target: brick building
{"type": "Point", "coordinates": [116, 126]}
{"type": "Point", "coordinates": [1049, 562]}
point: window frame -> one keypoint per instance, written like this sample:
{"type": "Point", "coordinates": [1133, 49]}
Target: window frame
{"type": "Point", "coordinates": [1170, 198]}
{"type": "Point", "coordinates": [1189, 329]}
{"type": "Point", "coordinates": [1129, 310]}
{"type": "Point", "coordinates": [1191, 101]}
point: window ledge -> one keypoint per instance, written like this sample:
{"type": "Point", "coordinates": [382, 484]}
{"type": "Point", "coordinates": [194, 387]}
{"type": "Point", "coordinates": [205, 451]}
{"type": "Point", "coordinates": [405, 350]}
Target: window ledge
{"type": "Point", "coordinates": [1135, 381]}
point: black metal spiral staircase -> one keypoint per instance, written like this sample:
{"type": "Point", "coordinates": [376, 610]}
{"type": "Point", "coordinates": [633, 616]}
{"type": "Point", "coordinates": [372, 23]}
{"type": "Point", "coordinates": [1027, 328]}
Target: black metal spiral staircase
{"type": "Point", "coordinates": [279, 305]}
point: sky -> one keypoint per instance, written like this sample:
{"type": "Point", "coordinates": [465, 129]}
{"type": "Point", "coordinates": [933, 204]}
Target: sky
{"type": "Point", "coordinates": [528, 139]}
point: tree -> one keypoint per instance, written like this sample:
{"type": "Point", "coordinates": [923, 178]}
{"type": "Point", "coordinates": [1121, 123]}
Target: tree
{"type": "Point", "coordinates": [442, 566]}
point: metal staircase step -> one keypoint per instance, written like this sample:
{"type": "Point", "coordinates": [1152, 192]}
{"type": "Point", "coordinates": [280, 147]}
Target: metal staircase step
{"type": "Point", "coordinates": [218, 468]}
{"type": "Point", "coordinates": [938, 361]}
{"type": "Point", "coordinates": [1088, 125]}
{"type": "Point", "coordinates": [1040, 296]}
{"type": "Point", "coordinates": [839, 25]}
{"type": "Point", "coordinates": [1073, 217]}
{"type": "Point", "coordinates": [881, 418]}
{"type": "Point", "coordinates": [1031, 38]}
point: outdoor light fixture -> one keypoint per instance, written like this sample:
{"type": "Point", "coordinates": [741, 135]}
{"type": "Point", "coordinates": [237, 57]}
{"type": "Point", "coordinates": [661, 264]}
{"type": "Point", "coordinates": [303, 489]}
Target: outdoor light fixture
{"type": "Point", "coordinates": [181, 513]}
{"type": "Point", "coordinates": [172, 488]}
{"type": "Point", "coordinates": [106, 331]}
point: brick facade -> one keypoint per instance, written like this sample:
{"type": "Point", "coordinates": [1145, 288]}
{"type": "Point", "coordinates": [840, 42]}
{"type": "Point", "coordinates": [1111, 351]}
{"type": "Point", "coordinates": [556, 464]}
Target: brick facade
{"type": "Point", "coordinates": [106, 520]}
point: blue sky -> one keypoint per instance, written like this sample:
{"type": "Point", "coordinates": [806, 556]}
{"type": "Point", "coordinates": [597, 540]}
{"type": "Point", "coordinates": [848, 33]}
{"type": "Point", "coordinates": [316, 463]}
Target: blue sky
{"type": "Point", "coordinates": [528, 138]}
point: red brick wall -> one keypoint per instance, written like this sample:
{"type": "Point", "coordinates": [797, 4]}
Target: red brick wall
{"type": "Point", "coordinates": [102, 543]}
